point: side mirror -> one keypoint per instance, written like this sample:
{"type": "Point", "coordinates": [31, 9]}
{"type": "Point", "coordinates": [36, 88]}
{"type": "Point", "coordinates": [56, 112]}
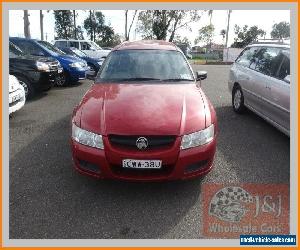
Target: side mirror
{"type": "Point", "coordinates": [201, 75]}
{"type": "Point", "coordinates": [287, 79]}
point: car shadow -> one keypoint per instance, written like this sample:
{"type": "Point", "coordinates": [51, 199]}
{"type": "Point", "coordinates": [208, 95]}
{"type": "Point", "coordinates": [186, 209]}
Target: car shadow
{"type": "Point", "coordinates": [253, 151]}
{"type": "Point", "coordinates": [69, 85]}
{"type": "Point", "coordinates": [37, 96]}
{"type": "Point", "coordinates": [48, 199]}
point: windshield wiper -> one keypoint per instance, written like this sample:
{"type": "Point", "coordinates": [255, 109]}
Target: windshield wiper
{"type": "Point", "coordinates": [139, 79]}
{"type": "Point", "coordinates": [176, 79]}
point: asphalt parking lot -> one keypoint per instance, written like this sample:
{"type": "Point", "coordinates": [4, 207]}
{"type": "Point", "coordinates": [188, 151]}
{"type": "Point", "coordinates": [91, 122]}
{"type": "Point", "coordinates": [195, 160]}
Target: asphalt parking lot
{"type": "Point", "coordinates": [48, 199]}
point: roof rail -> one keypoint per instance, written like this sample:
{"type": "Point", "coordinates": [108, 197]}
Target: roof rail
{"type": "Point", "coordinates": [272, 41]}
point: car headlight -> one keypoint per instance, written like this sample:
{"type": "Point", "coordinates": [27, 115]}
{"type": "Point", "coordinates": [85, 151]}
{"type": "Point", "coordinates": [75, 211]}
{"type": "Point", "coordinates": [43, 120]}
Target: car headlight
{"type": "Point", "coordinates": [198, 138]}
{"type": "Point", "coordinates": [86, 137]}
{"type": "Point", "coordinates": [78, 65]}
{"type": "Point", "coordinates": [41, 66]}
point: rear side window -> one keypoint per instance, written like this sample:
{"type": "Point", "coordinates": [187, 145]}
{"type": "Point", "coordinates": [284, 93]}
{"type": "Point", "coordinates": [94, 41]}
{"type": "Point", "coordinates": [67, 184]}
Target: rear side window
{"type": "Point", "coordinates": [74, 44]}
{"type": "Point", "coordinates": [268, 60]}
{"type": "Point", "coordinates": [246, 57]}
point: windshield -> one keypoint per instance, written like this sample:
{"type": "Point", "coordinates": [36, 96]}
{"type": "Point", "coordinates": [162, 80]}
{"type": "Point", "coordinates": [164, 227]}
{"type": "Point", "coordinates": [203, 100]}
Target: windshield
{"type": "Point", "coordinates": [13, 49]}
{"type": "Point", "coordinates": [78, 52]}
{"type": "Point", "coordinates": [130, 65]}
{"type": "Point", "coordinates": [50, 47]}
{"type": "Point", "coordinates": [95, 45]}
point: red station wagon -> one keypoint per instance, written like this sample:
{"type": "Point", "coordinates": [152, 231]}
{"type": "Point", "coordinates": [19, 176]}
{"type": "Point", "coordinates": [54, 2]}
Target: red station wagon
{"type": "Point", "coordinates": [145, 118]}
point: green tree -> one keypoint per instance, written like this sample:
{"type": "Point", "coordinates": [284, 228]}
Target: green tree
{"type": "Point", "coordinates": [246, 35]}
{"type": "Point", "coordinates": [127, 30]}
{"type": "Point", "coordinates": [281, 30]}
{"type": "Point", "coordinates": [98, 30]}
{"type": "Point", "coordinates": [163, 24]}
{"type": "Point", "coordinates": [79, 33]}
{"type": "Point", "coordinates": [205, 34]}
{"type": "Point", "coordinates": [180, 40]}
{"type": "Point", "coordinates": [90, 24]}
{"type": "Point", "coordinates": [64, 24]}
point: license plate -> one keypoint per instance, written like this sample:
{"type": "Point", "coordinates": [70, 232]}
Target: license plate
{"type": "Point", "coordinates": [130, 163]}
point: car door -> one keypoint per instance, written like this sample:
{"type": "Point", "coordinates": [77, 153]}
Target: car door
{"type": "Point", "coordinates": [74, 44]}
{"type": "Point", "coordinates": [279, 91]}
{"type": "Point", "coordinates": [263, 67]}
{"type": "Point", "coordinates": [86, 48]}
{"type": "Point", "coordinates": [244, 75]}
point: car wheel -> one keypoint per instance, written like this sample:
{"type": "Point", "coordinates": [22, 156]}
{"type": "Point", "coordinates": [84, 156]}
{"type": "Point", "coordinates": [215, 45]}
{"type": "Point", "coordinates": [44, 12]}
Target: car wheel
{"type": "Point", "coordinates": [92, 68]}
{"type": "Point", "coordinates": [28, 88]}
{"type": "Point", "coordinates": [60, 80]}
{"type": "Point", "coordinates": [238, 100]}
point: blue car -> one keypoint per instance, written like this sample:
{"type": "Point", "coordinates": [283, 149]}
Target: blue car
{"type": "Point", "coordinates": [74, 68]}
{"type": "Point", "coordinates": [93, 64]}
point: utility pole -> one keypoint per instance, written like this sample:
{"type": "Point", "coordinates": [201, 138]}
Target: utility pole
{"type": "Point", "coordinates": [227, 30]}
{"type": "Point", "coordinates": [126, 13]}
{"type": "Point", "coordinates": [42, 24]}
{"type": "Point", "coordinates": [91, 27]}
{"type": "Point", "coordinates": [75, 27]}
{"type": "Point", "coordinates": [26, 24]}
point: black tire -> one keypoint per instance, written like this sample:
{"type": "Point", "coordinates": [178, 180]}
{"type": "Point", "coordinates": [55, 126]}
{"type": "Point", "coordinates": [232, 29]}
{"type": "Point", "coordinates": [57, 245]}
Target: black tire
{"type": "Point", "coordinates": [30, 91]}
{"type": "Point", "coordinates": [61, 80]}
{"type": "Point", "coordinates": [92, 67]}
{"type": "Point", "coordinates": [238, 100]}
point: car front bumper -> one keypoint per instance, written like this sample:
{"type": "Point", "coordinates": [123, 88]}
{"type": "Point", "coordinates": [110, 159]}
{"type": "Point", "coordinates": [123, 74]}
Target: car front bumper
{"type": "Point", "coordinates": [77, 74]}
{"type": "Point", "coordinates": [176, 164]}
{"type": "Point", "coordinates": [45, 80]}
{"type": "Point", "coordinates": [16, 100]}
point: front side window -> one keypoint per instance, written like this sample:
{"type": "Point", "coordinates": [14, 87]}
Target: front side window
{"type": "Point", "coordinates": [284, 68]}
{"type": "Point", "coordinates": [130, 65]}
{"type": "Point", "coordinates": [247, 56]}
{"type": "Point", "coordinates": [74, 44]}
{"type": "Point", "coordinates": [86, 46]}
{"type": "Point", "coordinates": [268, 60]}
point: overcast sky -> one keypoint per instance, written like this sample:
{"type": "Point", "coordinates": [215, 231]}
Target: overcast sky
{"type": "Point", "coordinates": [264, 19]}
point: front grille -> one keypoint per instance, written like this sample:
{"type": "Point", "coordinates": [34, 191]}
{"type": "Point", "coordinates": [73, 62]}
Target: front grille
{"type": "Point", "coordinates": [154, 141]}
{"type": "Point", "coordinates": [53, 66]}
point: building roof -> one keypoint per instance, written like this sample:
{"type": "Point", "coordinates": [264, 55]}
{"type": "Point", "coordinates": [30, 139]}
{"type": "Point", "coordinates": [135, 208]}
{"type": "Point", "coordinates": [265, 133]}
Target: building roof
{"type": "Point", "coordinates": [147, 44]}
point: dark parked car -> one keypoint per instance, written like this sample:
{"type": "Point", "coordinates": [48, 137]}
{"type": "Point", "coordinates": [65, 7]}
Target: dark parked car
{"type": "Point", "coordinates": [35, 73]}
{"type": "Point", "coordinates": [74, 68]}
{"type": "Point", "coordinates": [93, 64]}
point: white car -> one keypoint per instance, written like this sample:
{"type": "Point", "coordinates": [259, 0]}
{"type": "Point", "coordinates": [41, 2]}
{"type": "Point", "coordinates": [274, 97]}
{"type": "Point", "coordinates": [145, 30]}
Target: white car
{"type": "Point", "coordinates": [16, 94]}
{"type": "Point", "coordinates": [88, 47]}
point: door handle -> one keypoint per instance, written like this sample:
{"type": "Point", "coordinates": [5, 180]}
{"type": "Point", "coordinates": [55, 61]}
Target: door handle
{"type": "Point", "coordinates": [268, 87]}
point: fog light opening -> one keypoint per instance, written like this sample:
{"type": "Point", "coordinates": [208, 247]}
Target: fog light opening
{"type": "Point", "coordinates": [196, 166]}
{"type": "Point", "coordinates": [89, 166]}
